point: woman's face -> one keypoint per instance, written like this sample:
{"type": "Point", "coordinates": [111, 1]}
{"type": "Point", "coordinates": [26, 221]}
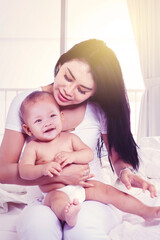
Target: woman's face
{"type": "Point", "coordinates": [74, 83]}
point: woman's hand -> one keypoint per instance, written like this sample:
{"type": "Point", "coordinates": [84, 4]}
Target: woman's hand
{"type": "Point", "coordinates": [130, 179]}
{"type": "Point", "coordinates": [77, 174]}
{"type": "Point", "coordinates": [74, 174]}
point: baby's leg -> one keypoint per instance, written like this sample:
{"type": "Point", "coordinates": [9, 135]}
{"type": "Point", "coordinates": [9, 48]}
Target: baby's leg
{"type": "Point", "coordinates": [109, 195]}
{"type": "Point", "coordinates": [65, 209]}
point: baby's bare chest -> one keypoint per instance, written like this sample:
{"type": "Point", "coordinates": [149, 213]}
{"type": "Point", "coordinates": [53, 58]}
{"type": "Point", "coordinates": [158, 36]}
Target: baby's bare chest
{"type": "Point", "coordinates": [47, 151]}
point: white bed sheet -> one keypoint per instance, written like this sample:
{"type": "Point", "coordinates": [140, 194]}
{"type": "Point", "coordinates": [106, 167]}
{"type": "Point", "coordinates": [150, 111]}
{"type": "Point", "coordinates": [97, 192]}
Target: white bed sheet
{"type": "Point", "coordinates": [13, 198]}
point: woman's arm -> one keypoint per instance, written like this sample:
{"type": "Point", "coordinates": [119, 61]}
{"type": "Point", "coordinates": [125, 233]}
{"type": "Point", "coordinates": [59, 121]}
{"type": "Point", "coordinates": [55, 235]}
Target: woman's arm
{"type": "Point", "coordinates": [10, 151]}
{"type": "Point", "coordinates": [117, 162]}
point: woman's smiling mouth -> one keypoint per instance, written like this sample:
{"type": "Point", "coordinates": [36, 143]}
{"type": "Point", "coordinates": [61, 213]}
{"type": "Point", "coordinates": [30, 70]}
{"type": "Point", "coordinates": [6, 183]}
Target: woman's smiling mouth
{"type": "Point", "coordinates": [62, 98]}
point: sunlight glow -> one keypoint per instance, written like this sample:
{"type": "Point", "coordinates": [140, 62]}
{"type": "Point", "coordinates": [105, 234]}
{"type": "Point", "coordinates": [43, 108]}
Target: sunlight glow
{"type": "Point", "coordinates": [107, 20]}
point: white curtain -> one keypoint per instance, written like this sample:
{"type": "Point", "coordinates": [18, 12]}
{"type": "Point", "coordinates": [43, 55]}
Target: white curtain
{"type": "Point", "coordinates": [145, 19]}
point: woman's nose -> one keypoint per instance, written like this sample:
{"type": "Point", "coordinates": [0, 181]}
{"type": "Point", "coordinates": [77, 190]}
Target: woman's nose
{"type": "Point", "coordinates": [69, 90]}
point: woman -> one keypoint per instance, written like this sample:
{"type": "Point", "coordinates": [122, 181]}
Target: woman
{"type": "Point", "coordinates": [88, 71]}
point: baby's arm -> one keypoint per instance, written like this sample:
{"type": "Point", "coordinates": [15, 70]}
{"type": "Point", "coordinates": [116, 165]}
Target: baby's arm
{"type": "Point", "coordinates": [81, 153]}
{"type": "Point", "coordinates": [30, 171]}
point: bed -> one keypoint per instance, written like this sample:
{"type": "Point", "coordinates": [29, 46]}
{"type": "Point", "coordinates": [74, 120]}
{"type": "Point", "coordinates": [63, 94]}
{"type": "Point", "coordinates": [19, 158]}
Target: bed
{"type": "Point", "coordinates": [13, 198]}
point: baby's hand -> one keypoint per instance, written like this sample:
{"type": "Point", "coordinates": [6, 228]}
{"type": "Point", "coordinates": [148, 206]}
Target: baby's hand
{"type": "Point", "coordinates": [52, 168]}
{"type": "Point", "coordinates": [64, 158]}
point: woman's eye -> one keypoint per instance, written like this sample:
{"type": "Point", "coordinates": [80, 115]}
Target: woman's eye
{"type": "Point", "coordinates": [67, 78]}
{"type": "Point", "coordinates": [81, 91]}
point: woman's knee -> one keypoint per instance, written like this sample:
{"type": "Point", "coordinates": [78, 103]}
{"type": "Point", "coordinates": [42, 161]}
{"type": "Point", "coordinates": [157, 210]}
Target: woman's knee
{"type": "Point", "coordinates": [38, 222]}
{"type": "Point", "coordinates": [95, 221]}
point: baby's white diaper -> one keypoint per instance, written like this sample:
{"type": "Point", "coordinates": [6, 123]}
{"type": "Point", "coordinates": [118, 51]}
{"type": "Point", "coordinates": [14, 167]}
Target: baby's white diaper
{"type": "Point", "coordinates": [74, 191]}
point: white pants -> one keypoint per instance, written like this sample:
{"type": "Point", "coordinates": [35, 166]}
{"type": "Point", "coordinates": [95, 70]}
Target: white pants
{"type": "Point", "coordinates": [95, 220]}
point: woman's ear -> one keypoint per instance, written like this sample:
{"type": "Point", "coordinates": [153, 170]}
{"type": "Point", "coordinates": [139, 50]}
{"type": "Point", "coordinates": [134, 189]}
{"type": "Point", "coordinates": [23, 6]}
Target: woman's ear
{"type": "Point", "coordinates": [27, 130]}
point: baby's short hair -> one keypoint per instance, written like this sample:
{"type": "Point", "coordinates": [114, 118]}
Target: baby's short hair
{"type": "Point", "coordinates": [32, 98]}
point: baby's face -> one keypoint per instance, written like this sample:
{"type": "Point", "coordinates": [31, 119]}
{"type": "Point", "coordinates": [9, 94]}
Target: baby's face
{"type": "Point", "coordinates": [44, 120]}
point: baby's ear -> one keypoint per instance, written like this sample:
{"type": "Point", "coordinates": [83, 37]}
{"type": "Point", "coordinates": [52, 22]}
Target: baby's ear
{"type": "Point", "coordinates": [62, 116]}
{"type": "Point", "coordinates": [27, 130]}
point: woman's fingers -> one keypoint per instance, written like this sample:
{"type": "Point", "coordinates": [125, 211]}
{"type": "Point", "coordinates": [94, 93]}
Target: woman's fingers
{"type": "Point", "coordinates": [85, 178]}
{"type": "Point", "coordinates": [152, 191]}
{"type": "Point", "coordinates": [151, 188]}
{"type": "Point", "coordinates": [133, 180]}
{"type": "Point", "coordinates": [126, 181]}
{"type": "Point", "coordinates": [144, 186]}
{"type": "Point", "coordinates": [128, 185]}
{"type": "Point", "coordinates": [85, 184]}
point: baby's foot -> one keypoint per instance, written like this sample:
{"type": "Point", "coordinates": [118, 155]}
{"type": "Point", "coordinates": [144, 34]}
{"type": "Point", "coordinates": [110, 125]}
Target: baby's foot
{"type": "Point", "coordinates": [71, 212]}
{"type": "Point", "coordinates": [154, 212]}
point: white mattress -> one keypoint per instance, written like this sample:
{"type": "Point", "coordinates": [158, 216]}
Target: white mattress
{"type": "Point", "coordinates": [13, 199]}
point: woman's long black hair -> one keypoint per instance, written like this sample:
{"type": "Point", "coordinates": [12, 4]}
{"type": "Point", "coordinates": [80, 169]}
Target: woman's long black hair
{"type": "Point", "coordinates": [110, 94]}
